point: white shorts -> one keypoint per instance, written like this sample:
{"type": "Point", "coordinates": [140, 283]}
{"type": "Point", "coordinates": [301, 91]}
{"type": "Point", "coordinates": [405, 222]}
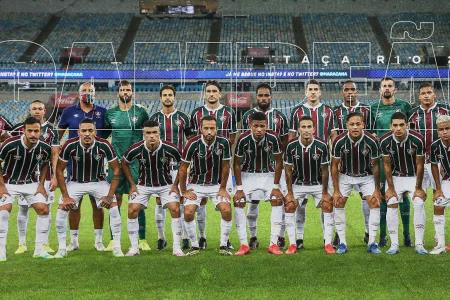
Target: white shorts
{"type": "Point", "coordinates": [445, 185]}
{"type": "Point", "coordinates": [24, 191]}
{"type": "Point", "coordinates": [145, 192]}
{"type": "Point", "coordinates": [402, 185]}
{"type": "Point", "coordinates": [364, 185]}
{"type": "Point", "coordinates": [205, 191]}
{"type": "Point", "coordinates": [50, 196]}
{"type": "Point", "coordinates": [97, 190]}
{"type": "Point", "coordinates": [257, 186]}
{"type": "Point", "coordinates": [428, 179]}
{"type": "Point", "coordinates": [301, 192]}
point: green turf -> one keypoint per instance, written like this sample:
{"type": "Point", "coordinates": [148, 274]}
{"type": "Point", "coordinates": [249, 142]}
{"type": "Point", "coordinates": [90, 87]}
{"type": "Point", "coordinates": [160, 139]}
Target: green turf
{"type": "Point", "coordinates": [88, 274]}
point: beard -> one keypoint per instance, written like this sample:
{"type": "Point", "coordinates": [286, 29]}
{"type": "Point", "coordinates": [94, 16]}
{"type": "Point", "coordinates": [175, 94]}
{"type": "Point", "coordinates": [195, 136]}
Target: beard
{"type": "Point", "coordinates": [263, 105]}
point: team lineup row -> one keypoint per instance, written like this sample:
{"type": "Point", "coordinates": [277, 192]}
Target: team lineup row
{"type": "Point", "coordinates": [409, 158]}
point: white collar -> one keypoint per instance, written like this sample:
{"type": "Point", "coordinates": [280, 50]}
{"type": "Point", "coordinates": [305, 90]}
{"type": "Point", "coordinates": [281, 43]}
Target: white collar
{"type": "Point", "coordinates": [306, 104]}
{"type": "Point", "coordinates": [431, 107]}
{"type": "Point", "coordinates": [358, 141]}
{"type": "Point", "coordinates": [154, 151]}
{"type": "Point", "coordinates": [306, 147]}
{"type": "Point", "coordinates": [213, 110]}
{"type": "Point", "coordinates": [347, 107]}
{"type": "Point", "coordinates": [169, 115]}
{"type": "Point", "coordinates": [206, 144]}
{"type": "Point", "coordinates": [90, 147]}
{"type": "Point", "coordinates": [401, 142]}
{"type": "Point", "coordinates": [25, 146]}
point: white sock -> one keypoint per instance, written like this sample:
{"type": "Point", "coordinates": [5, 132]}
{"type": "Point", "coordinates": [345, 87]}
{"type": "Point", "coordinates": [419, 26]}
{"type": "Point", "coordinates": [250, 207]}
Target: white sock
{"type": "Point", "coordinates": [133, 229]}
{"type": "Point", "coordinates": [74, 237]}
{"type": "Point", "coordinates": [160, 220]}
{"type": "Point", "coordinates": [290, 227]}
{"type": "Point", "coordinates": [41, 232]}
{"type": "Point", "coordinates": [328, 225]}
{"type": "Point", "coordinates": [225, 228]}
{"type": "Point", "coordinates": [201, 220]}
{"type": "Point", "coordinates": [176, 233]}
{"type": "Point", "coordinates": [392, 225]}
{"type": "Point", "coordinates": [192, 233]}
{"type": "Point", "coordinates": [184, 234]}
{"type": "Point", "coordinates": [4, 217]}
{"type": "Point", "coordinates": [300, 218]}
{"type": "Point", "coordinates": [366, 211]}
{"type": "Point", "coordinates": [283, 223]}
{"type": "Point", "coordinates": [241, 225]}
{"type": "Point", "coordinates": [22, 223]}
{"type": "Point", "coordinates": [98, 235]}
{"type": "Point", "coordinates": [252, 218]}
{"type": "Point", "coordinates": [322, 221]}
{"type": "Point", "coordinates": [61, 228]}
{"type": "Point", "coordinates": [275, 221]}
{"type": "Point", "coordinates": [374, 223]}
{"type": "Point", "coordinates": [340, 223]}
{"type": "Point", "coordinates": [419, 220]}
{"type": "Point", "coordinates": [439, 227]}
{"type": "Point", "coordinates": [49, 219]}
{"type": "Point", "coordinates": [116, 224]}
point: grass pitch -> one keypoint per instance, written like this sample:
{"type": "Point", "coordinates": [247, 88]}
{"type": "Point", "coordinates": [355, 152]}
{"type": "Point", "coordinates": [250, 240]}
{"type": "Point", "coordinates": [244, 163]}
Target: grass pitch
{"type": "Point", "coordinates": [87, 274]}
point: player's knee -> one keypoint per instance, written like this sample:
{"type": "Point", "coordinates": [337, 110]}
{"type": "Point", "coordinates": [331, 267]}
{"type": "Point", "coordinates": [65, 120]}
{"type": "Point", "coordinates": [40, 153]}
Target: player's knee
{"type": "Point", "coordinates": [326, 206]}
{"type": "Point", "coordinates": [277, 202]}
{"type": "Point", "coordinates": [174, 210]}
{"type": "Point", "coordinates": [133, 212]}
{"type": "Point", "coordinates": [439, 210]}
{"type": "Point", "coordinates": [392, 205]}
{"type": "Point", "coordinates": [204, 201]}
{"type": "Point", "coordinates": [41, 209]}
{"type": "Point", "coordinates": [225, 210]}
{"type": "Point", "coordinates": [189, 212]}
{"type": "Point", "coordinates": [290, 207]}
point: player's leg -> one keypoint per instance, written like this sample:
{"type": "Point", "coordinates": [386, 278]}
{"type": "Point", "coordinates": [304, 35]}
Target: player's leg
{"type": "Point", "coordinates": [367, 188]}
{"type": "Point", "coordinates": [136, 203]}
{"type": "Point", "coordinates": [50, 199]}
{"type": "Point", "coordinates": [184, 236]}
{"type": "Point", "coordinates": [405, 214]}
{"type": "Point", "coordinates": [252, 221]}
{"type": "Point", "coordinates": [22, 224]}
{"type": "Point", "coordinates": [224, 206]}
{"type": "Point", "coordinates": [97, 219]}
{"type": "Point", "coordinates": [419, 218]}
{"type": "Point", "coordinates": [439, 227]}
{"type": "Point", "coordinates": [290, 221]}
{"type": "Point", "coordinates": [190, 207]}
{"type": "Point", "coordinates": [39, 203]}
{"type": "Point", "coordinates": [160, 220]}
{"type": "Point", "coordinates": [74, 223]}
{"type": "Point", "coordinates": [173, 205]}
{"type": "Point", "coordinates": [5, 210]}
{"type": "Point", "coordinates": [201, 223]}
{"type": "Point", "coordinates": [241, 226]}
{"type": "Point", "coordinates": [366, 211]}
{"type": "Point", "coordinates": [276, 222]}
{"type": "Point", "coordinates": [383, 208]}
{"type": "Point", "coordinates": [345, 187]}
{"type": "Point", "coordinates": [328, 222]}
{"type": "Point", "coordinates": [392, 224]}
{"type": "Point", "coordinates": [300, 219]}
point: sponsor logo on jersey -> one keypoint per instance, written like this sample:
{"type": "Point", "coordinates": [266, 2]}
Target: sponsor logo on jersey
{"type": "Point", "coordinates": [39, 157]}
{"type": "Point", "coordinates": [134, 119]}
{"type": "Point", "coordinates": [17, 157]}
{"type": "Point", "coordinates": [365, 151]}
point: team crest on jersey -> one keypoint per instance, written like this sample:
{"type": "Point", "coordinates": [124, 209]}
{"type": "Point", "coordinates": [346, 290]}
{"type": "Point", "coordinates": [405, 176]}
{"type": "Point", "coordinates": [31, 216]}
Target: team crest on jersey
{"type": "Point", "coordinates": [134, 119]}
{"type": "Point", "coordinates": [97, 156]}
{"type": "Point", "coordinates": [76, 158]}
{"type": "Point", "coordinates": [411, 151]}
{"type": "Point", "coordinates": [98, 114]}
{"type": "Point", "coordinates": [222, 118]}
{"type": "Point", "coordinates": [178, 122]}
{"type": "Point", "coordinates": [316, 156]}
{"type": "Point", "coordinates": [249, 151]}
{"type": "Point", "coordinates": [142, 160]}
{"type": "Point", "coordinates": [218, 151]}
{"type": "Point", "coordinates": [163, 159]}
{"type": "Point", "coordinates": [39, 157]}
{"type": "Point", "coordinates": [346, 151]}
{"type": "Point", "coordinates": [45, 136]}
{"type": "Point", "coordinates": [324, 115]}
{"type": "Point", "coordinates": [365, 151]}
{"type": "Point", "coordinates": [268, 148]}
{"type": "Point", "coordinates": [440, 156]}
{"type": "Point", "coordinates": [275, 120]}
{"type": "Point", "coordinates": [391, 151]}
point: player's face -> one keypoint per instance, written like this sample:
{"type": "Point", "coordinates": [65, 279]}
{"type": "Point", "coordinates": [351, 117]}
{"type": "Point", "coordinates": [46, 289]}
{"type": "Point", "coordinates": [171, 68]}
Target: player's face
{"type": "Point", "coordinates": [87, 93]}
{"type": "Point", "coordinates": [427, 96]}
{"type": "Point", "coordinates": [399, 127]}
{"type": "Point", "coordinates": [355, 126]}
{"type": "Point", "coordinates": [306, 129]}
{"type": "Point", "coordinates": [87, 133]}
{"type": "Point", "coordinates": [167, 98]}
{"type": "Point", "coordinates": [32, 133]}
{"type": "Point", "coordinates": [387, 89]}
{"type": "Point", "coordinates": [444, 131]}
{"type": "Point", "coordinates": [37, 110]}
{"type": "Point", "coordinates": [313, 93]}
{"type": "Point", "coordinates": [259, 129]}
{"type": "Point", "coordinates": [209, 130]}
{"type": "Point", "coordinates": [125, 93]}
{"type": "Point", "coordinates": [212, 94]}
{"type": "Point", "coordinates": [350, 94]}
{"type": "Point", "coordinates": [151, 136]}
{"type": "Point", "coordinates": [263, 98]}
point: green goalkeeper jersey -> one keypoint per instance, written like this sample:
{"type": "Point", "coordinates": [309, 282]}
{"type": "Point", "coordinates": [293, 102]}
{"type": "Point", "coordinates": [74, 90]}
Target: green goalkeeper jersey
{"type": "Point", "coordinates": [382, 114]}
{"type": "Point", "coordinates": [126, 126]}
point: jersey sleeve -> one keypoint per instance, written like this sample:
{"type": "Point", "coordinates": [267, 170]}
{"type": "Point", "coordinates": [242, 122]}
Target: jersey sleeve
{"type": "Point", "coordinates": [64, 155]}
{"type": "Point", "coordinates": [336, 149]}
{"type": "Point", "coordinates": [375, 153]}
{"type": "Point", "coordinates": [434, 154]}
{"type": "Point", "coordinates": [226, 150]}
{"type": "Point", "coordinates": [293, 126]}
{"type": "Point", "coordinates": [54, 141]}
{"type": "Point", "coordinates": [130, 154]}
{"type": "Point", "coordinates": [285, 125]}
{"type": "Point", "coordinates": [288, 157]}
{"type": "Point", "coordinates": [109, 152]}
{"type": "Point", "coordinates": [325, 159]}
{"type": "Point", "coordinates": [193, 123]}
{"type": "Point", "coordinates": [384, 147]}
{"type": "Point", "coordinates": [233, 124]}
{"type": "Point", "coordinates": [239, 150]}
{"type": "Point", "coordinates": [187, 125]}
{"type": "Point", "coordinates": [245, 120]}
{"type": "Point", "coordinates": [188, 152]}
{"type": "Point", "coordinates": [420, 150]}
{"type": "Point", "coordinates": [277, 146]}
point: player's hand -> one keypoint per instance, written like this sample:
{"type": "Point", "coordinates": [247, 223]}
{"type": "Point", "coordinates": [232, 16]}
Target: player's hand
{"type": "Point", "coordinates": [106, 201]}
{"type": "Point", "coordinates": [438, 194]}
{"type": "Point", "coordinates": [419, 192]}
{"type": "Point", "coordinates": [174, 189]}
{"type": "Point", "coordinates": [133, 190]}
{"type": "Point", "coordinates": [53, 183]}
{"type": "Point", "coordinates": [4, 191]}
{"type": "Point", "coordinates": [189, 194]}
{"type": "Point", "coordinates": [338, 199]}
{"type": "Point", "coordinates": [68, 203]}
{"type": "Point", "coordinates": [224, 194]}
{"type": "Point", "coordinates": [41, 190]}
{"type": "Point", "coordinates": [276, 194]}
{"type": "Point", "coordinates": [390, 193]}
{"type": "Point", "coordinates": [375, 198]}
{"type": "Point", "coordinates": [289, 198]}
{"type": "Point", "coordinates": [326, 197]}
{"type": "Point", "coordinates": [239, 199]}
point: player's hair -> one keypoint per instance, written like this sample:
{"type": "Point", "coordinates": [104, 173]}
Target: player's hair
{"type": "Point", "coordinates": [123, 83]}
{"type": "Point", "coordinates": [355, 114]}
{"type": "Point", "coordinates": [312, 81]}
{"type": "Point", "coordinates": [442, 119]}
{"type": "Point", "coordinates": [306, 118]}
{"type": "Point", "coordinates": [263, 85]}
{"type": "Point", "coordinates": [213, 82]}
{"type": "Point", "coordinates": [167, 87]}
{"type": "Point", "coordinates": [387, 78]}
{"type": "Point", "coordinates": [398, 115]}
{"type": "Point", "coordinates": [150, 123]}
{"type": "Point", "coordinates": [37, 101]}
{"type": "Point", "coordinates": [349, 81]}
{"type": "Point", "coordinates": [258, 116]}
{"type": "Point", "coordinates": [87, 121]}
{"type": "Point", "coordinates": [86, 83]}
{"type": "Point", "coordinates": [425, 85]}
{"type": "Point", "coordinates": [208, 118]}
{"type": "Point", "coordinates": [31, 120]}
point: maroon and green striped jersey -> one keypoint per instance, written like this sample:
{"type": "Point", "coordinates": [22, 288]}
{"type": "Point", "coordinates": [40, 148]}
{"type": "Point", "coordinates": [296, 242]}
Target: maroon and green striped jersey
{"type": "Point", "coordinates": [21, 165]}
{"type": "Point", "coordinates": [321, 114]}
{"type": "Point", "coordinates": [154, 166]}
{"type": "Point", "coordinates": [341, 112]}
{"type": "Point", "coordinates": [403, 153]}
{"type": "Point", "coordinates": [440, 154]}
{"type": "Point", "coordinates": [174, 128]}
{"type": "Point", "coordinates": [5, 125]}
{"type": "Point", "coordinates": [257, 156]}
{"type": "Point", "coordinates": [225, 118]}
{"type": "Point", "coordinates": [206, 160]}
{"type": "Point", "coordinates": [356, 156]}
{"type": "Point", "coordinates": [424, 121]}
{"type": "Point", "coordinates": [307, 161]}
{"type": "Point", "coordinates": [276, 121]}
{"type": "Point", "coordinates": [88, 164]}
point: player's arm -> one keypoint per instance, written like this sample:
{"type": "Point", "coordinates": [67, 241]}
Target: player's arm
{"type": "Point", "coordinates": [61, 132]}
{"type": "Point", "coordinates": [125, 165]}
{"type": "Point", "coordinates": [325, 175]}
{"type": "Point", "coordinates": [225, 172]}
{"type": "Point", "coordinates": [333, 136]}
{"type": "Point", "coordinates": [54, 162]}
{"type": "Point", "coordinates": [437, 180]}
{"type": "Point", "coordinates": [376, 176]}
{"type": "Point", "coordinates": [182, 177]}
{"type": "Point", "coordinates": [115, 166]}
{"type": "Point", "coordinates": [42, 175]}
{"type": "Point", "coordinates": [239, 195]}
{"type": "Point", "coordinates": [335, 177]}
{"type": "Point", "coordinates": [288, 170]}
{"type": "Point", "coordinates": [390, 192]}
{"type": "Point", "coordinates": [276, 192]}
{"type": "Point", "coordinates": [3, 189]}
{"type": "Point", "coordinates": [232, 138]}
{"type": "Point", "coordinates": [60, 166]}
{"type": "Point", "coordinates": [284, 140]}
